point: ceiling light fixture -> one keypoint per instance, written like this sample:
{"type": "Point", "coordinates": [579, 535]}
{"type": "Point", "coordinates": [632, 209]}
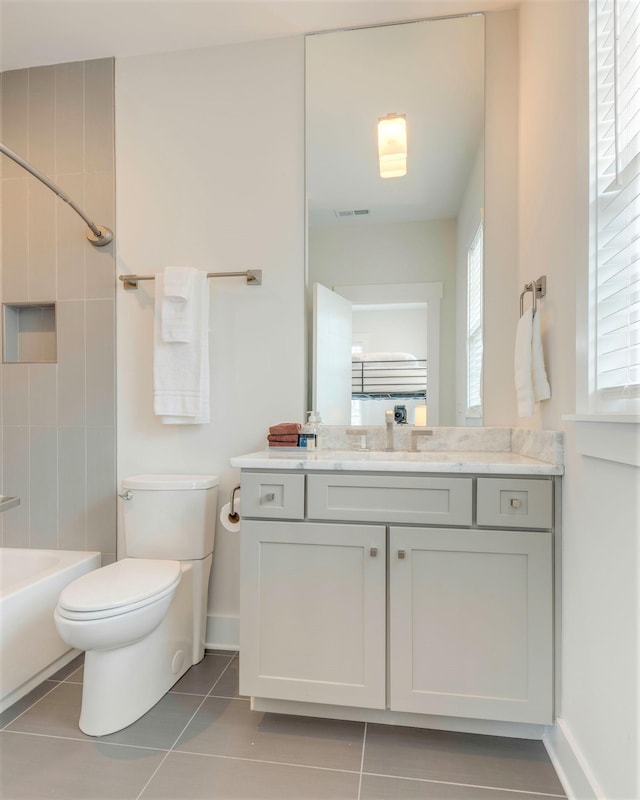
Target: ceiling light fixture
{"type": "Point", "coordinates": [392, 145]}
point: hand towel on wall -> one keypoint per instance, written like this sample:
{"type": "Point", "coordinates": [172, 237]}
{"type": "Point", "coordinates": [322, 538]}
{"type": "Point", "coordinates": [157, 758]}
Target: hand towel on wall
{"type": "Point", "coordinates": [522, 365]}
{"type": "Point", "coordinates": [530, 375]}
{"type": "Point", "coordinates": [181, 369]}
{"type": "Point", "coordinates": [179, 304]}
{"type": "Point", "coordinates": [541, 388]}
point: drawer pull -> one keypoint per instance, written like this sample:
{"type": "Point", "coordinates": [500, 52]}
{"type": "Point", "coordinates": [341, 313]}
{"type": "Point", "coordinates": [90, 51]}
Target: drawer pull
{"type": "Point", "coordinates": [515, 502]}
{"type": "Point", "coordinates": [373, 552]}
{"type": "Point", "coordinates": [269, 497]}
{"type": "Point", "coordinates": [401, 554]}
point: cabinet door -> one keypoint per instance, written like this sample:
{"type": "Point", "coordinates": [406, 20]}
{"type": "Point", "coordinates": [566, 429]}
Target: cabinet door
{"type": "Point", "coordinates": [471, 623]}
{"type": "Point", "coordinates": [312, 612]}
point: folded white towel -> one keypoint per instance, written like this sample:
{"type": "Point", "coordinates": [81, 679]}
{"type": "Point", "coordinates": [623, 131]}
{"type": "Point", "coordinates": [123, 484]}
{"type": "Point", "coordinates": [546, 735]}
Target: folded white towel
{"type": "Point", "coordinates": [522, 365]}
{"type": "Point", "coordinates": [181, 369]}
{"type": "Point", "coordinates": [530, 375]}
{"type": "Point", "coordinates": [179, 304]}
{"type": "Point", "coordinates": [177, 282]}
{"type": "Point", "coordinates": [541, 388]}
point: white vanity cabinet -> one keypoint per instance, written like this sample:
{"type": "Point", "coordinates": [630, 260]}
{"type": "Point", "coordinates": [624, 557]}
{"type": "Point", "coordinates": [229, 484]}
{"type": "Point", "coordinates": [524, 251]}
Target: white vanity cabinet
{"type": "Point", "coordinates": [411, 594]}
{"type": "Point", "coordinates": [470, 623]}
{"type": "Point", "coordinates": [313, 615]}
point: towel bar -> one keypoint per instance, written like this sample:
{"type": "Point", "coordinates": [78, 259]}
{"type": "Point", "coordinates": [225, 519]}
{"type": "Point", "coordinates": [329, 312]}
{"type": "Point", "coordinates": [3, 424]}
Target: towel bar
{"type": "Point", "coordinates": [253, 276]}
{"type": "Point", "coordinates": [537, 288]}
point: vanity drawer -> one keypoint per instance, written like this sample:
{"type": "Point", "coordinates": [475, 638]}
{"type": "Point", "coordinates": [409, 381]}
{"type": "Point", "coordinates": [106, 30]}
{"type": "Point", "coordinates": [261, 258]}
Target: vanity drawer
{"type": "Point", "coordinates": [272, 495]}
{"type": "Point", "coordinates": [513, 503]}
{"type": "Point", "coordinates": [374, 498]}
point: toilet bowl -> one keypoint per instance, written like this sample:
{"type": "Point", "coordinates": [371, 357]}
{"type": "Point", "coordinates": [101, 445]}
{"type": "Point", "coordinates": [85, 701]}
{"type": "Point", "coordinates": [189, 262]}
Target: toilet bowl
{"type": "Point", "coordinates": [117, 605]}
{"type": "Point", "coordinates": [141, 621]}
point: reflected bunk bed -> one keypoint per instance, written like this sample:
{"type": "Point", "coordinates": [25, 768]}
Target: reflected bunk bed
{"type": "Point", "coordinates": [392, 375]}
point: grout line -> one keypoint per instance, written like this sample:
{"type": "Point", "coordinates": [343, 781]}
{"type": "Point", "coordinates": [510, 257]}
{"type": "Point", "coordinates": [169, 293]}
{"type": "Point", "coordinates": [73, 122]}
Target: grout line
{"type": "Point", "coordinates": [35, 703]}
{"type": "Point", "coordinates": [93, 740]}
{"type": "Point", "coordinates": [466, 785]}
{"type": "Point", "coordinates": [177, 739]}
{"type": "Point", "coordinates": [219, 678]}
{"type": "Point", "coordinates": [364, 744]}
{"type": "Point", "coordinates": [89, 740]}
{"type": "Point", "coordinates": [267, 761]}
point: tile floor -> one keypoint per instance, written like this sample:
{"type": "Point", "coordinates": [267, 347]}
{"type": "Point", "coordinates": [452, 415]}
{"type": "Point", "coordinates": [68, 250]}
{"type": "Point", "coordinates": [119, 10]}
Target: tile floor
{"type": "Point", "coordinates": [202, 741]}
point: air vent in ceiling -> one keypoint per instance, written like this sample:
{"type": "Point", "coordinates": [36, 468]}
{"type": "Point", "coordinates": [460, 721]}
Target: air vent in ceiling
{"type": "Point", "coordinates": [356, 212]}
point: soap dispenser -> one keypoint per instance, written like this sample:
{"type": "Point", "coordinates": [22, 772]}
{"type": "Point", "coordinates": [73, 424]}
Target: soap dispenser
{"type": "Point", "coordinates": [315, 422]}
{"type": "Point", "coordinates": [309, 432]}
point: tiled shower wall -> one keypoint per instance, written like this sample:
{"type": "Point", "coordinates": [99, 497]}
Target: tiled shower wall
{"type": "Point", "coordinates": [58, 419]}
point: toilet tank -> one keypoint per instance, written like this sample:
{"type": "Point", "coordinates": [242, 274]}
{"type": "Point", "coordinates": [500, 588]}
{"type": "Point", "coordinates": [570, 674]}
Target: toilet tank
{"type": "Point", "coordinates": [169, 516]}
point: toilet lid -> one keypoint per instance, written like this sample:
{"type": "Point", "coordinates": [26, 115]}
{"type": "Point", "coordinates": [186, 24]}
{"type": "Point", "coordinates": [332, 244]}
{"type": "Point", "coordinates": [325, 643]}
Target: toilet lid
{"type": "Point", "coordinates": [170, 482]}
{"type": "Point", "coordinates": [132, 581]}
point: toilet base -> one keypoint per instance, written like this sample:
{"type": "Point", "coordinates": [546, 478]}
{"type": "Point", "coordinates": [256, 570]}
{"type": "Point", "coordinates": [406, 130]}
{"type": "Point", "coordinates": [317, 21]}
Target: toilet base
{"type": "Point", "coordinates": [122, 684]}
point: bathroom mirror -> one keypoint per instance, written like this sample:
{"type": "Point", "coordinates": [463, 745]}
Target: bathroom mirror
{"type": "Point", "coordinates": [397, 261]}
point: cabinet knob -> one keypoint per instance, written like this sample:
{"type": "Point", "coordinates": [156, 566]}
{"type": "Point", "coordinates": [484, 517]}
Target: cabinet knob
{"type": "Point", "coordinates": [515, 502]}
{"type": "Point", "coordinates": [401, 554]}
{"type": "Point", "coordinates": [268, 497]}
{"type": "Point", "coordinates": [373, 552]}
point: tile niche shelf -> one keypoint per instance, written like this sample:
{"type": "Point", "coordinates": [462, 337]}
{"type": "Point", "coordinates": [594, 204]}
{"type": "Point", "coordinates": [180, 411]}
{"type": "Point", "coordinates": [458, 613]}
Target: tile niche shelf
{"type": "Point", "coordinates": [29, 333]}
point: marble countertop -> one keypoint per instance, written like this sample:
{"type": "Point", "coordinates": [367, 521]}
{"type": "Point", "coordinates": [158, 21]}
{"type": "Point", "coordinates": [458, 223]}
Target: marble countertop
{"type": "Point", "coordinates": [477, 462]}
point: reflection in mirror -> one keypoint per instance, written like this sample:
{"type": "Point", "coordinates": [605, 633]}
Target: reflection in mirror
{"type": "Point", "coordinates": [406, 252]}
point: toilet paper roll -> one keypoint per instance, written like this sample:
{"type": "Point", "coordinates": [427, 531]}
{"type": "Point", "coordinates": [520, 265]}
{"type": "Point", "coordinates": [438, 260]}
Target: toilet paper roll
{"type": "Point", "coordinates": [224, 516]}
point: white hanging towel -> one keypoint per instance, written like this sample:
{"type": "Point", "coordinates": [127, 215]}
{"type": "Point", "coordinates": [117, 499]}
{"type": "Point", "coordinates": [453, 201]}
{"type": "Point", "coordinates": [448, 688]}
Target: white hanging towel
{"type": "Point", "coordinates": [530, 375]}
{"type": "Point", "coordinates": [178, 304]}
{"type": "Point", "coordinates": [541, 388]}
{"type": "Point", "coordinates": [181, 369]}
{"type": "Point", "coordinates": [522, 365]}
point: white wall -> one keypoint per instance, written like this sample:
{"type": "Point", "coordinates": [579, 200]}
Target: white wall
{"type": "Point", "coordinates": [209, 150]}
{"type": "Point", "coordinates": [470, 216]}
{"type": "Point", "coordinates": [410, 252]}
{"type": "Point", "coordinates": [501, 217]}
{"type": "Point", "coordinates": [596, 736]}
{"type": "Point", "coordinates": [392, 329]}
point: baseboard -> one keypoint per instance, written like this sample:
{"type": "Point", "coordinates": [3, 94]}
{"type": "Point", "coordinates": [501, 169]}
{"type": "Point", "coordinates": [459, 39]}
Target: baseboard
{"type": "Point", "coordinates": [223, 633]}
{"type": "Point", "coordinates": [571, 766]}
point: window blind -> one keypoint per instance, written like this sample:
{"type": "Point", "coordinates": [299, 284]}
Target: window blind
{"type": "Point", "coordinates": [617, 167]}
{"type": "Point", "coordinates": [474, 323]}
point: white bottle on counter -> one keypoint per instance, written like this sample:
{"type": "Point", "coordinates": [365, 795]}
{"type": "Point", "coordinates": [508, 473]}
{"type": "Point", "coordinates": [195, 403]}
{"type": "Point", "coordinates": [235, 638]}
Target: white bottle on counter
{"type": "Point", "coordinates": [311, 430]}
{"type": "Point", "coordinates": [316, 422]}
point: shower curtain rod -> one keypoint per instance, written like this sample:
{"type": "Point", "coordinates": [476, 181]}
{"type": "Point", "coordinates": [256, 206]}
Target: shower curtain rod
{"type": "Point", "coordinates": [97, 235]}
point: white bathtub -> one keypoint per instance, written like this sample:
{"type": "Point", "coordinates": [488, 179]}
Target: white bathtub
{"type": "Point", "coordinates": [30, 583]}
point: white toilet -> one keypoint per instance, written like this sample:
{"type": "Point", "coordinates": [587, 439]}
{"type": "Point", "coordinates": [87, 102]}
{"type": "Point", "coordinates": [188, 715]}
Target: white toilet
{"type": "Point", "coordinates": [142, 620]}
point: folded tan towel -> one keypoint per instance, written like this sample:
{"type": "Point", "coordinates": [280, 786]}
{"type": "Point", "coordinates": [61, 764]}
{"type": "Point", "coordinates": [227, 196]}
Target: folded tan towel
{"type": "Point", "coordinates": [285, 437]}
{"type": "Point", "coordinates": [283, 444]}
{"type": "Point", "coordinates": [283, 428]}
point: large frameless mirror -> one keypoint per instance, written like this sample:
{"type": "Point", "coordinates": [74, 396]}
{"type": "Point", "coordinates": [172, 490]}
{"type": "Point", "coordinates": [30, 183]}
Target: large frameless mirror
{"type": "Point", "coordinates": [395, 263]}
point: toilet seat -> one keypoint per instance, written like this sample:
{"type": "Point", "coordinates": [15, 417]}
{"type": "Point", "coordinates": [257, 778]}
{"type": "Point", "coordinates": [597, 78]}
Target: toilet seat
{"type": "Point", "coordinates": [119, 588]}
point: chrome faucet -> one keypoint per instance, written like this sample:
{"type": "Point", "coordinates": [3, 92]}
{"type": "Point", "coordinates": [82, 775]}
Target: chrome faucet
{"type": "Point", "coordinates": [388, 420]}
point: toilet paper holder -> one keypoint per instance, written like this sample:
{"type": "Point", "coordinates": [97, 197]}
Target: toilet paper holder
{"type": "Point", "coordinates": [233, 514]}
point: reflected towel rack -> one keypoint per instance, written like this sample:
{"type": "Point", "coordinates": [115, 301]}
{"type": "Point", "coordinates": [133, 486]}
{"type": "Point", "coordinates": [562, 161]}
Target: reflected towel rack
{"type": "Point", "coordinates": [537, 288]}
{"type": "Point", "coordinates": [253, 276]}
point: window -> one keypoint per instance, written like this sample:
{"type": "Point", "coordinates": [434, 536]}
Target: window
{"type": "Point", "coordinates": [614, 379]}
{"type": "Point", "coordinates": [474, 325]}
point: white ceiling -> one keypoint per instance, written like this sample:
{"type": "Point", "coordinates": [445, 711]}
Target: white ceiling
{"type": "Point", "coordinates": [36, 32]}
{"type": "Point", "coordinates": [431, 71]}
